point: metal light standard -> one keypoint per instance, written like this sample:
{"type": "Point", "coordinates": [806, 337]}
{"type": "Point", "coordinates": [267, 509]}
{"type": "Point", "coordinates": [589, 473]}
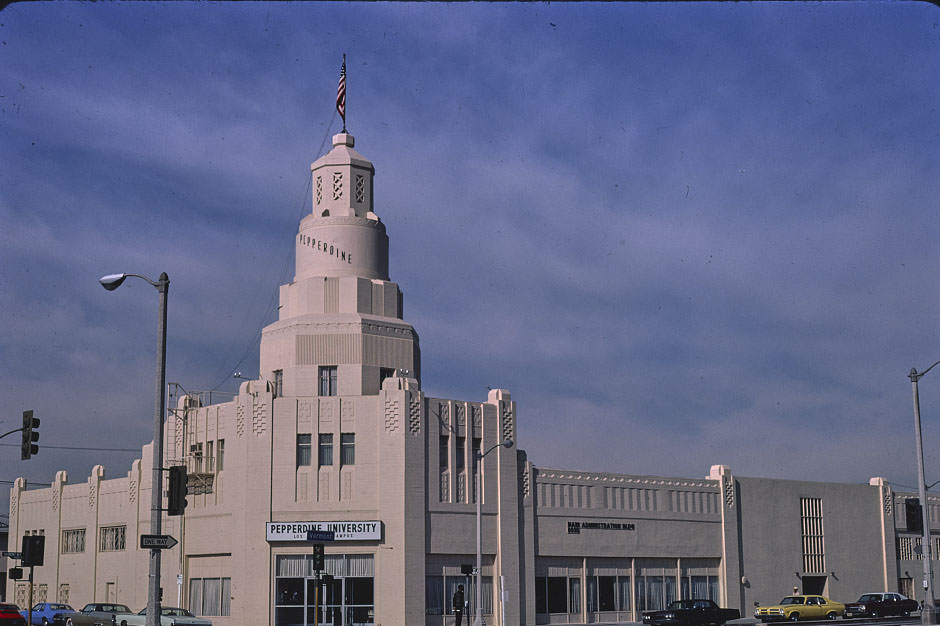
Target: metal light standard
{"type": "Point", "coordinates": [928, 615]}
{"type": "Point", "coordinates": [112, 282]}
{"type": "Point", "coordinates": [478, 620]}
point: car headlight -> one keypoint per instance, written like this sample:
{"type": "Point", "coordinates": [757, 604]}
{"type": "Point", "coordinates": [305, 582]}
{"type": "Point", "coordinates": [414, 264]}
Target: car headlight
{"type": "Point", "coordinates": [669, 615]}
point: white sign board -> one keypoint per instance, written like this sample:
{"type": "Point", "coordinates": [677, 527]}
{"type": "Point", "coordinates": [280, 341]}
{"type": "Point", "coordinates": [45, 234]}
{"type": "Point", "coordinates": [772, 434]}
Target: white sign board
{"type": "Point", "coordinates": [370, 530]}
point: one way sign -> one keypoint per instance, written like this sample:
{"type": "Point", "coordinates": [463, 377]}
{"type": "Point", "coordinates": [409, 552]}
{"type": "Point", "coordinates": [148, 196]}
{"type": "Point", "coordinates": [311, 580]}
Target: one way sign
{"type": "Point", "coordinates": [157, 542]}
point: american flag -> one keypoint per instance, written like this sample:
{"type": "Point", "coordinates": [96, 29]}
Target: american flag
{"type": "Point", "coordinates": [341, 93]}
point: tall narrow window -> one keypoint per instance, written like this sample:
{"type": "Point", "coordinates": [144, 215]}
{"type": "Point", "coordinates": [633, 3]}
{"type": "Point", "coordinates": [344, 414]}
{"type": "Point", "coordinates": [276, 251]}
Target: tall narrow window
{"type": "Point", "coordinates": [221, 455]}
{"type": "Point", "coordinates": [325, 453]}
{"type": "Point", "coordinates": [304, 444]}
{"type": "Point", "coordinates": [443, 455]}
{"type": "Point", "coordinates": [347, 449]}
{"type": "Point", "coordinates": [461, 454]}
{"type": "Point", "coordinates": [811, 518]}
{"type": "Point", "coordinates": [278, 383]}
{"type": "Point", "coordinates": [210, 460]}
{"type": "Point", "coordinates": [328, 380]}
{"type": "Point", "coordinates": [195, 450]}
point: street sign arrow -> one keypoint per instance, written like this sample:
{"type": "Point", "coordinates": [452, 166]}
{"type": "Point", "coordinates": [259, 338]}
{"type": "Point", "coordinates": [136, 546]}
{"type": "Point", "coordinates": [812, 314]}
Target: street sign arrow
{"type": "Point", "coordinates": [157, 542]}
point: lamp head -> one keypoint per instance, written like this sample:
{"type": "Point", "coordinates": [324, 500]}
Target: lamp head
{"type": "Point", "coordinates": [507, 444]}
{"type": "Point", "coordinates": [112, 281]}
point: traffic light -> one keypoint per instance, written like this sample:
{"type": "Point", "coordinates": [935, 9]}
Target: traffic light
{"type": "Point", "coordinates": [30, 435]}
{"type": "Point", "coordinates": [318, 557]}
{"type": "Point", "coordinates": [32, 549]}
{"type": "Point", "coordinates": [176, 496]}
{"type": "Point", "coordinates": [913, 515]}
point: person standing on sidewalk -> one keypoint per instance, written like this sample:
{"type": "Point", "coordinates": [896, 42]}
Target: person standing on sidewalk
{"type": "Point", "coordinates": [458, 605]}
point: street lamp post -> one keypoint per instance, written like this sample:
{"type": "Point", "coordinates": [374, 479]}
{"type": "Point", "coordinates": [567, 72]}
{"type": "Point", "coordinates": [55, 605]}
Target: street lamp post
{"type": "Point", "coordinates": [928, 614]}
{"type": "Point", "coordinates": [478, 620]}
{"type": "Point", "coordinates": [112, 282]}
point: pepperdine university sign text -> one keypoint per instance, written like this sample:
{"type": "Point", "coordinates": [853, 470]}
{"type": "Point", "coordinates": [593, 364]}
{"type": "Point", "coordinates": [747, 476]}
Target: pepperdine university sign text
{"type": "Point", "coordinates": [345, 531]}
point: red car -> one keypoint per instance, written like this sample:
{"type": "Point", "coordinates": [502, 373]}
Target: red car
{"type": "Point", "coordinates": [10, 615]}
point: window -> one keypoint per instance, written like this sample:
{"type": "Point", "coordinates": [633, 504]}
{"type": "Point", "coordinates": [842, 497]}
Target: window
{"type": "Point", "coordinates": [304, 443]}
{"type": "Point", "coordinates": [112, 538]}
{"type": "Point", "coordinates": [210, 596]}
{"type": "Point", "coordinates": [557, 594]}
{"type": "Point", "coordinates": [443, 458]}
{"type": "Point", "coordinates": [73, 541]}
{"type": "Point", "coordinates": [328, 380]}
{"type": "Point", "coordinates": [325, 451]}
{"type": "Point", "coordinates": [278, 383]}
{"type": "Point", "coordinates": [436, 586]}
{"type": "Point", "coordinates": [385, 372]}
{"type": "Point", "coordinates": [347, 449]}
{"type": "Point", "coordinates": [461, 444]}
{"type": "Point", "coordinates": [811, 519]}
{"type": "Point", "coordinates": [210, 461]}
{"type": "Point", "coordinates": [221, 455]}
{"type": "Point", "coordinates": [195, 450]}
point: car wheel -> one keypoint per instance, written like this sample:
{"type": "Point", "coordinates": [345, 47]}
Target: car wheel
{"type": "Point", "coordinates": [793, 617]}
{"type": "Point", "coordinates": [831, 615]}
{"type": "Point", "coordinates": [45, 622]}
{"type": "Point", "coordinates": [68, 622]}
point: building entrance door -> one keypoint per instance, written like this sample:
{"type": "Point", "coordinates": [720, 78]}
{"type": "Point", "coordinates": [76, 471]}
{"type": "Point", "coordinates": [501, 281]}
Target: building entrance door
{"type": "Point", "coordinates": [814, 585]}
{"type": "Point", "coordinates": [346, 600]}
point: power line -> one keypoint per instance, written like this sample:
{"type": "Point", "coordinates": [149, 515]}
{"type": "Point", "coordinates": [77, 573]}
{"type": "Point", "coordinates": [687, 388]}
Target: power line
{"type": "Point", "coordinates": [137, 450]}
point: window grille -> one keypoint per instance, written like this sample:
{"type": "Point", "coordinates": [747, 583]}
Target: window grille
{"type": "Point", "coordinates": [112, 538]}
{"type": "Point", "coordinates": [360, 188]}
{"type": "Point", "coordinates": [73, 541]}
{"type": "Point", "coordinates": [814, 550]}
{"type": "Point", "coordinates": [909, 548]}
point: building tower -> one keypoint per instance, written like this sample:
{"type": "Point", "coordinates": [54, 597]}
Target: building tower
{"type": "Point", "coordinates": [339, 328]}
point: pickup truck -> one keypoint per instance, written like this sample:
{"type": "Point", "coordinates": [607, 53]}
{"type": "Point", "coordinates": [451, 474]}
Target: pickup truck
{"type": "Point", "coordinates": [169, 616]}
{"type": "Point", "coordinates": [691, 613]}
{"type": "Point", "coordinates": [99, 614]}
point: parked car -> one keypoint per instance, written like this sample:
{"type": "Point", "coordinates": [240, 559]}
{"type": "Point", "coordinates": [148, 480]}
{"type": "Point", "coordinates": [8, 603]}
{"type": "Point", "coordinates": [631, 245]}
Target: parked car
{"type": "Point", "coordinates": [691, 613]}
{"type": "Point", "coordinates": [10, 615]}
{"type": "Point", "coordinates": [795, 608]}
{"type": "Point", "coordinates": [99, 614]}
{"type": "Point", "coordinates": [46, 613]}
{"type": "Point", "coordinates": [169, 616]}
{"type": "Point", "coordinates": [881, 604]}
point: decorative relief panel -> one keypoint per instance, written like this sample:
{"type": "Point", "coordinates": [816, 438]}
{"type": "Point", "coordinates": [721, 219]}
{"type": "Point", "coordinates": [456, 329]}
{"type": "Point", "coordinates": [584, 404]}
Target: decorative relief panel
{"type": "Point", "coordinates": [240, 420]}
{"type": "Point", "coordinates": [305, 413]}
{"type": "Point", "coordinates": [507, 422]}
{"type": "Point", "coordinates": [133, 492]}
{"type": "Point", "coordinates": [360, 188]}
{"type": "Point", "coordinates": [392, 416]}
{"type": "Point", "coordinates": [888, 503]}
{"type": "Point", "coordinates": [414, 415]}
{"type": "Point", "coordinates": [337, 185]}
{"type": "Point", "coordinates": [326, 410]}
{"type": "Point", "coordinates": [461, 415]}
{"type": "Point", "coordinates": [318, 189]}
{"type": "Point", "coordinates": [475, 415]}
{"type": "Point", "coordinates": [14, 504]}
{"type": "Point", "coordinates": [729, 493]}
{"type": "Point", "coordinates": [92, 494]}
{"type": "Point", "coordinates": [443, 411]}
{"type": "Point", "coordinates": [525, 486]}
{"type": "Point", "coordinates": [348, 411]}
{"type": "Point", "coordinates": [259, 422]}
{"type": "Point", "coordinates": [445, 486]}
{"type": "Point", "coordinates": [56, 494]}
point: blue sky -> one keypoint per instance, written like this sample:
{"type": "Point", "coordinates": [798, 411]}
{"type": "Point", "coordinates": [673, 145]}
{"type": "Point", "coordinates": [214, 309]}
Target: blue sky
{"type": "Point", "coordinates": [680, 234]}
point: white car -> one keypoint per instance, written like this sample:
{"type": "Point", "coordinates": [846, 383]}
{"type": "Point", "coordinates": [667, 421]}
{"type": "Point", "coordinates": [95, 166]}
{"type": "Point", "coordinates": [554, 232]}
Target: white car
{"type": "Point", "coordinates": [169, 616]}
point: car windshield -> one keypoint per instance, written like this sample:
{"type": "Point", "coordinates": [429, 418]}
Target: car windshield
{"type": "Point", "coordinates": [60, 607]}
{"type": "Point", "coordinates": [870, 597]}
{"type": "Point", "coordinates": [681, 604]}
{"type": "Point", "coordinates": [792, 600]}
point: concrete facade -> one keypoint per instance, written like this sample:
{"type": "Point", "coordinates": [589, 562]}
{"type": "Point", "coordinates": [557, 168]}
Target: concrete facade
{"type": "Point", "coordinates": [335, 433]}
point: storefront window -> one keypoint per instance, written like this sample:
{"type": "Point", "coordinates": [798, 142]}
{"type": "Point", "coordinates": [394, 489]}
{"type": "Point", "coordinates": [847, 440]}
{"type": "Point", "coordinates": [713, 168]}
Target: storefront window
{"type": "Point", "coordinates": [346, 600]}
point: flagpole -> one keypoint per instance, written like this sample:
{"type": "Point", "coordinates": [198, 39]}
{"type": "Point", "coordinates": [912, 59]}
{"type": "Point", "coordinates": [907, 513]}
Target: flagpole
{"type": "Point", "coordinates": [341, 93]}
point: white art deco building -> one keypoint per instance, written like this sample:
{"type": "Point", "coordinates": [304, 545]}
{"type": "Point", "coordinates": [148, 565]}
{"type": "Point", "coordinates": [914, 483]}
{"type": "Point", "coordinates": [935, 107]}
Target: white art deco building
{"type": "Point", "coordinates": [335, 433]}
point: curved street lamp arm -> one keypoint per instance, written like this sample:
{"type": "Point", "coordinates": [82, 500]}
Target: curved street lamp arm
{"type": "Point", "coordinates": [915, 375]}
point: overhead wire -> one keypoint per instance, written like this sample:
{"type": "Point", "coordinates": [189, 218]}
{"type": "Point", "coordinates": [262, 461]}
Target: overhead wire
{"type": "Point", "coordinates": [285, 273]}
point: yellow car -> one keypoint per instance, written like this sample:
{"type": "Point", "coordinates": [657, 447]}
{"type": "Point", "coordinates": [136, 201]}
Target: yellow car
{"type": "Point", "coordinates": [795, 608]}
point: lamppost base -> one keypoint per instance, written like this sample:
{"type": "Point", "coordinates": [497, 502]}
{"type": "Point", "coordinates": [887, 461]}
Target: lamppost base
{"type": "Point", "coordinates": [928, 615]}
